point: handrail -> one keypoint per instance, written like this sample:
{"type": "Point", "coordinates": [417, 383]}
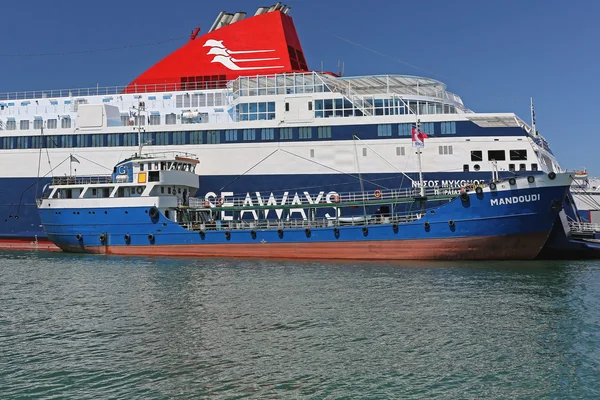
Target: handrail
{"type": "Point", "coordinates": [113, 90]}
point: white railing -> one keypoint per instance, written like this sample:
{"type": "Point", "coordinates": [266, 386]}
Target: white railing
{"type": "Point", "coordinates": [584, 227]}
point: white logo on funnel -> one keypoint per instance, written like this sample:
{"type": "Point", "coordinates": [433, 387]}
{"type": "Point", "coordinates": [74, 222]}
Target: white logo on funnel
{"type": "Point", "coordinates": [226, 57]}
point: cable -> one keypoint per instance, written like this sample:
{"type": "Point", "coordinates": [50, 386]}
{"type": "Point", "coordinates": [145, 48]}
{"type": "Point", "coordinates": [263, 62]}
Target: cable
{"type": "Point", "coordinates": [88, 51]}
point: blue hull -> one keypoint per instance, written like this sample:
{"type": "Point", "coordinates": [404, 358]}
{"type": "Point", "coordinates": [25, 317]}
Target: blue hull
{"type": "Point", "coordinates": [484, 227]}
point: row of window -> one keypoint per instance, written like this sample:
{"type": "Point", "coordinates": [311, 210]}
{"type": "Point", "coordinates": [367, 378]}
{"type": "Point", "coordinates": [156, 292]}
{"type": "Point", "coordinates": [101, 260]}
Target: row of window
{"type": "Point", "coordinates": [256, 111]}
{"type": "Point", "coordinates": [499, 155]}
{"type": "Point", "coordinates": [405, 129]}
{"type": "Point", "coordinates": [230, 135]}
{"type": "Point", "coordinates": [345, 108]}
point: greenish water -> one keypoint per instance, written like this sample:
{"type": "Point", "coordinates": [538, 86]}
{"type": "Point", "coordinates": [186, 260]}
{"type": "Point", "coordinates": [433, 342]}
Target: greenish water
{"type": "Point", "coordinates": [90, 327]}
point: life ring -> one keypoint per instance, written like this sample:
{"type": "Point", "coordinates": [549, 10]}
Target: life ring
{"type": "Point", "coordinates": [552, 175]}
{"type": "Point", "coordinates": [336, 198]}
{"type": "Point", "coordinates": [451, 223]}
{"type": "Point", "coordinates": [206, 204]}
{"type": "Point", "coordinates": [377, 193]}
{"type": "Point", "coordinates": [492, 186]}
{"type": "Point", "coordinates": [512, 181]}
{"type": "Point", "coordinates": [153, 212]}
{"type": "Point", "coordinates": [140, 190]}
{"type": "Point", "coordinates": [479, 190]}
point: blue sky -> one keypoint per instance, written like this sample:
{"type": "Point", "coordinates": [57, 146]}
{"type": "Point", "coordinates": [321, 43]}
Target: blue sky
{"type": "Point", "coordinates": [494, 54]}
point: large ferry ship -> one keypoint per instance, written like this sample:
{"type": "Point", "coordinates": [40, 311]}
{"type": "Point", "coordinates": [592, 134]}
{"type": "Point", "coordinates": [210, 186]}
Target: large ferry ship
{"type": "Point", "coordinates": [241, 97]}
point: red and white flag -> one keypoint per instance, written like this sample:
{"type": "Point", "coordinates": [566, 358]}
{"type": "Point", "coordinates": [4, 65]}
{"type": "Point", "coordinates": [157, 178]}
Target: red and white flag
{"type": "Point", "coordinates": [418, 137]}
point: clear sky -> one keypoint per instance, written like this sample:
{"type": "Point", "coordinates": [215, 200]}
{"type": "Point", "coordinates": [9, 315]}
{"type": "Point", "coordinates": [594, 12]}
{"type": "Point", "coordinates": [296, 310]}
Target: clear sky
{"type": "Point", "coordinates": [495, 54]}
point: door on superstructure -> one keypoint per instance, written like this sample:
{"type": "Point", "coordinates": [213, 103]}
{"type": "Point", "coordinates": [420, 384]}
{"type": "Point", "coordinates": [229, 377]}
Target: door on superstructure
{"type": "Point", "coordinates": [298, 109]}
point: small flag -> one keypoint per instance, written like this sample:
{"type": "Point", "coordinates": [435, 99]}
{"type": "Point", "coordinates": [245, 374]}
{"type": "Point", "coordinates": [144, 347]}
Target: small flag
{"type": "Point", "coordinates": [73, 159]}
{"type": "Point", "coordinates": [417, 137]}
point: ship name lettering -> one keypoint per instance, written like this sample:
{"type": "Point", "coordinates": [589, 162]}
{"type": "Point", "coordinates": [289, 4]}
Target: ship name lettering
{"type": "Point", "coordinates": [515, 199]}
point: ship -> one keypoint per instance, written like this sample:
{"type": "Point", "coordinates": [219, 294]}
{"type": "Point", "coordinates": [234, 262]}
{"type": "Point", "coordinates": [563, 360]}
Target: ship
{"type": "Point", "coordinates": [242, 97]}
{"type": "Point", "coordinates": [144, 208]}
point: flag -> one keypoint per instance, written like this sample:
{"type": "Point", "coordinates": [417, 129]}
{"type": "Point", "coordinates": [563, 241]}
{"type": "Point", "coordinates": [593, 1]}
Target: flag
{"type": "Point", "coordinates": [417, 137]}
{"type": "Point", "coordinates": [73, 159]}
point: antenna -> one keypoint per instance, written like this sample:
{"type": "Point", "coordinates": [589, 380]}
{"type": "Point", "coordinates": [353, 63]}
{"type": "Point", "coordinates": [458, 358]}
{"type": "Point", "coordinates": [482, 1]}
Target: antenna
{"type": "Point", "coordinates": [137, 112]}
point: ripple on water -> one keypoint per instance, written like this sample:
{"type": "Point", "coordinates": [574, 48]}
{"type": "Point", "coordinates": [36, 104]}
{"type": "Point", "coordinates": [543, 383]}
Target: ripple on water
{"type": "Point", "coordinates": [89, 327]}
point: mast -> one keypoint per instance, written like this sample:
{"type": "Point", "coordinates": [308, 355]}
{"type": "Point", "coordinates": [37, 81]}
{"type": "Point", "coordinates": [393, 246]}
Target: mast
{"type": "Point", "coordinates": [532, 116]}
{"type": "Point", "coordinates": [422, 187]}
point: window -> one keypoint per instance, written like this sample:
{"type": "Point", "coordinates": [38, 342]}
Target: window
{"type": "Point", "coordinates": [51, 141]}
{"type": "Point", "coordinates": [214, 137]}
{"type": "Point", "coordinates": [24, 125]}
{"type": "Point", "coordinates": [129, 139]}
{"type": "Point", "coordinates": [11, 125]}
{"type": "Point", "coordinates": [51, 124]}
{"type": "Point", "coordinates": [230, 135]}
{"type": "Point", "coordinates": [384, 130]}
{"type": "Point", "coordinates": [249, 134]}
{"type": "Point", "coordinates": [66, 141]}
{"type": "Point", "coordinates": [476, 155]}
{"type": "Point", "coordinates": [170, 119]}
{"type": "Point", "coordinates": [496, 155]}
{"type": "Point", "coordinates": [287, 106]}
{"type": "Point", "coordinates": [178, 137]}
{"type": "Point", "coordinates": [465, 167]}
{"type": "Point", "coordinates": [522, 167]}
{"type": "Point", "coordinates": [8, 143]}
{"type": "Point", "coordinates": [448, 128]}
{"type": "Point", "coordinates": [113, 140]}
{"type": "Point", "coordinates": [162, 138]}
{"type": "Point", "coordinates": [97, 140]}
{"type": "Point", "coordinates": [36, 142]}
{"type": "Point", "coordinates": [142, 167]}
{"type": "Point", "coordinates": [534, 167]}
{"type": "Point", "coordinates": [267, 134]}
{"type": "Point", "coordinates": [324, 132]}
{"type": "Point", "coordinates": [310, 106]}
{"type": "Point", "coordinates": [427, 127]}
{"type": "Point", "coordinates": [65, 123]}
{"type": "Point", "coordinates": [256, 111]}
{"type": "Point", "coordinates": [285, 134]}
{"type": "Point", "coordinates": [518, 155]}
{"type": "Point", "coordinates": [124, 119]}
{"type": "Point", "coordinates": [400, 151]}
{"type": "Point", "coordinates": [140, 120]}
{"type": "Point", "coordinates": [22, 142]}
{"type": "Point", "coordinates": [305, 132]}
{"type": "Point", "coordinates": [196, 137]}
{"type": "Point", "coordinates": [404, 129]}
{"type": "Point", "coordinates": [445, 150]}
{"type": "Point", "coordinates": [38, 123]}
{"type": "Point", "coordinates": [154, 119]}
{"type": "Point", "coordinates": [511, 167]}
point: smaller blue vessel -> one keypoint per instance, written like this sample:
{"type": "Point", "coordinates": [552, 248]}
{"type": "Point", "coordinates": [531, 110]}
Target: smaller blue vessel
{"type": "Point", "coordinates": [146, 207]}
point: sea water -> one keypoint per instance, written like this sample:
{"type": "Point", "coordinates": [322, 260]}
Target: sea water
{"type": "Point", "coordinates": [91, 327]}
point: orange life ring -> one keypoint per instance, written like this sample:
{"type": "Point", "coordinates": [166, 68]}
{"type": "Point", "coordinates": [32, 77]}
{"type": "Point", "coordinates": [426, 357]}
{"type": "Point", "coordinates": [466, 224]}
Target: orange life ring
{"type": "Point", "coordinates": [377, 193]}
